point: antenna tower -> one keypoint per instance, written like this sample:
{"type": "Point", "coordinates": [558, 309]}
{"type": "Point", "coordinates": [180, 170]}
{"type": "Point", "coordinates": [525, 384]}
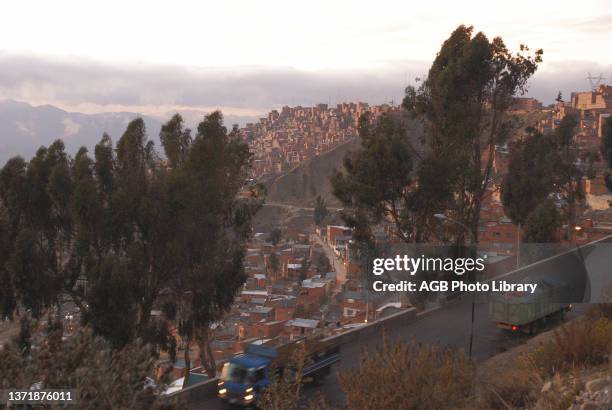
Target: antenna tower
{"type": "Point", "coordinates": [595, 81]}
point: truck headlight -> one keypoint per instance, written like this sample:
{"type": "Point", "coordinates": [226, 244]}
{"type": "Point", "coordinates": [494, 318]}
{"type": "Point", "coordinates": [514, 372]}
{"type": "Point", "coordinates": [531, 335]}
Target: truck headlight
{"type": "Point", "coordinates": [250, 389]}
{"type": "Point", "coordinates": [248, 397]}
{"type": "Point", "coordinates": [222, 391]}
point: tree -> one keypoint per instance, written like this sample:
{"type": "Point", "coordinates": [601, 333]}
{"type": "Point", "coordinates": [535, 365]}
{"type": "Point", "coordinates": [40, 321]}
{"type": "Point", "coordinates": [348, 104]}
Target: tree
{"type": "Point", "coordinates": [8, 302]}
{"type": "Point", "coordinates": [176, 140]}
{"type": "Point", "coordinates": [606, 149]}
{"type": "Point", "coordinates": [285, 389]}
{"type": "Point", "coordinates": [275, 236]}
{"type": "Point", "coordinates": [24, 339]}
{"type": "Point", "coordinates": [320, 211]}
{"type": "Point", "coordinates": [209, 225]}
{"type": "Point", "coordinates": [75, 222]}
{"type": "Point", "coordinates": [274, 264]}
{"type": "Point", "coordinates": [568, 175]}
{"type": "Point", "coordinates": [112, 232]}
{"type": "Point", "coordinates": [303, 272]}
{"type": "Point", "coordinates": [463, 105]}
{"type": "Point", "coordinates": [559, 97]}
{"type": "Point", "coordinates": [323, 264]}
{"type": "Point", "coordinates": [542, 166]}
{"type": "Point", "coordinates": [36, 200]}
{"type": "Point", "coordinates": [374, 182]}
{"type": "Point", "coordinates": [542, 224]}
{"type": "Point", "coordinates": [608, 180]}
{"type": "Point", "coordinates": [103, 377]}
{"type": "Point", "coordinates": [530, 177]}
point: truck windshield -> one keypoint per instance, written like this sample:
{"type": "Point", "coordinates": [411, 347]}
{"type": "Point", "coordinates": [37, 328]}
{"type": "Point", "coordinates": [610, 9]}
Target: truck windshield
{"type": "Point", "coordinates": [234, 373]}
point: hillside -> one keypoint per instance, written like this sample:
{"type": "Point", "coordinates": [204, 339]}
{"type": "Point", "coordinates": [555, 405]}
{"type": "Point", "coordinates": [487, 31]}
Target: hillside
{"type": "Point", "coordinates": [301, 185]}
{"type": "Point", "coordinates": [311, 178]}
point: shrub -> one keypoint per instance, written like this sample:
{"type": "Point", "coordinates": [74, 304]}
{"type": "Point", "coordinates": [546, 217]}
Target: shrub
{"type": "Point", "coordinates": [579, 344]}
{"type": "Point", "coordinates": [285, 389]}
{"type": "Point", "coordinates": [516, 386]}
{"type": "Point", "coordinates": [601, 310]}
{"type": "Point", "coordinates": [410, 376]}
{"type": "Point", "coordinates": [105, 378]}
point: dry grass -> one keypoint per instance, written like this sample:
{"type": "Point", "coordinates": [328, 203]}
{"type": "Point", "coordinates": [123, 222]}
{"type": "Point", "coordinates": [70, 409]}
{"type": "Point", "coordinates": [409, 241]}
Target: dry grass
{"type": "Point", "coordinates": [516, 386]}
{"type": "Point", "coordinates": [414, 376]}
{"type": "Point", "coordinates": [410, 376]}
{"type": "Point", "coordinates": [577, 345]}
{"type": "Point", "coordinates": [555, 359]}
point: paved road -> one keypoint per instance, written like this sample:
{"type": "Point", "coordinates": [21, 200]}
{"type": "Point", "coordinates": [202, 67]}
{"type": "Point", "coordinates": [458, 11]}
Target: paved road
{"type": "Point", "coordinates": [335, 261]}
{"type": "Point", "coordinates": [291, 206]}
{"type": "Point", "coordinates": [449, 325]}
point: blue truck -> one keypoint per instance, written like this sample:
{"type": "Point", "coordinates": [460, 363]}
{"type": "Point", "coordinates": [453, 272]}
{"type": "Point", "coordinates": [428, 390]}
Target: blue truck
{"type": "Point", "coordinates": [245, 376]}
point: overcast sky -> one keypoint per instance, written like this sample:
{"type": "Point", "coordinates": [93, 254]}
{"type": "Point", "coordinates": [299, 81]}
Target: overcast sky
{"type": "Point", "coordinates": [247, 57]}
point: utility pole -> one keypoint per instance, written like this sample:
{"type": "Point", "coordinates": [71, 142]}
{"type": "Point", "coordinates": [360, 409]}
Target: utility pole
{"type": "Point", "coordinates": [474, 241]}
{"type": "Point", "coordinates": [518, 246]}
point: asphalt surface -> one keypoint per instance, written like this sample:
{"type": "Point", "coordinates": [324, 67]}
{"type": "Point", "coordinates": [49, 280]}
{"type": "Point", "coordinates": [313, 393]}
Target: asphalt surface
{"type": "Point", "coordinates": [449, 325]}
{"type": "Point", "coordinates": [337, 264]}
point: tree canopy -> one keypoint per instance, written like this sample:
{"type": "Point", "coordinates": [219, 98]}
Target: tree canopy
{"type": "Point", "coordinates": [529, 180]}
{"type": "Point", "coordinates": [463, 105]}
{"type": "Point", "coordinates": [320, 211]}
{"type": "Point", "coordinates": [541, 167]}
{"type": "Point", "coordinates": [119, 232]}
{"type": "Point", "coordinates": [374, 180]}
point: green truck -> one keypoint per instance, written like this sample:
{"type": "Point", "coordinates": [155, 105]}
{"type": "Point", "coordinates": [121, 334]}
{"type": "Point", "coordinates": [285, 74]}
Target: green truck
{"type": "Point", "coordinates": [528, 312]}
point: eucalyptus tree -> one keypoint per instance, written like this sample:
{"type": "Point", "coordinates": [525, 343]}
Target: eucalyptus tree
{"type": "Point", "coordinates": [117, 232]}
{"type": "Point", "coordinates": [211, 222]}
{"type": "Point", "coordinates": [463, 104]}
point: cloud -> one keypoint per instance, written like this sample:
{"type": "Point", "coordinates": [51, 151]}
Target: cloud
{"type": "Point", "coordinates": [89, 86]}
{"type": "Point", "coordinates": [567, 77]}
{"type": "Point", "coordinates": [80, 82]}
{"type": "Point", "coordinates": [595, 25]}
{"type": "Point", "coordinates": [71, 128]}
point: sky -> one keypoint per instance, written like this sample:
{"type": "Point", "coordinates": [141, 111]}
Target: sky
{"type": "Point", "coordinates": [247, 57]}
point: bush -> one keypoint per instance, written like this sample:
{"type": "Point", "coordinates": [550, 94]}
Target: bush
{"type": "Point", "coordinates": [601, 310]}
{"type": "Point", "coordinates": [517, 387]}
{"type": "Point", "coordinates": [410, 376]}
{"type": "Point", "coordinates": [105, 378]}
{"type": "Point", "coordinates": [579, 344]}
{"type": "Point", "coordinates": [285, 389]}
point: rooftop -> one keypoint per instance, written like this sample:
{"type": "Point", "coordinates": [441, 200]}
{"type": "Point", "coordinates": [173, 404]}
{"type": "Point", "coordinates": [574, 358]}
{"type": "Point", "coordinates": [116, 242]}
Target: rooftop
{"type": "Point", "coordinates": [308, 323]}
{"type": "Point", "coordinates": [255, 292]}
{"type": "Point", "coordinates": [261, 309]}
{"type": "Point", "coordinates": [307, 283]}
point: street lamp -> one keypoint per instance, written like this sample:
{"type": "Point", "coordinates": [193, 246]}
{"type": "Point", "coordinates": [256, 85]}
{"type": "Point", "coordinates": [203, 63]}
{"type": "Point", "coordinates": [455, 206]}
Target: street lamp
{"type": "Point", "coordinates": [473, 238]}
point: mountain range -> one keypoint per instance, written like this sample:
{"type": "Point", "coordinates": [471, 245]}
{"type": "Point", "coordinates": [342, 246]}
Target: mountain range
{"type": "Point", "coordinates": [24, 128]}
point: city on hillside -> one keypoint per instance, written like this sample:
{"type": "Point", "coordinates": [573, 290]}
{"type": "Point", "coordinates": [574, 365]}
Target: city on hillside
{"type": "Point", "coordinates": [305, 206]}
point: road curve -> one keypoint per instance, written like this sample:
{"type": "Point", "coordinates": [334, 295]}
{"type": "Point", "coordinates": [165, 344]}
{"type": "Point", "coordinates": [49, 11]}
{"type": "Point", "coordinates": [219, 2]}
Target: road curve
{"type": "Point", "coordinates": [449, 325]}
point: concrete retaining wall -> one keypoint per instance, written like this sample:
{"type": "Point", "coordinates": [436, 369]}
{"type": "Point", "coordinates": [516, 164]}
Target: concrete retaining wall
{"type": "Point", "coordinates": [398, 319]}
{"type": "Point", "coordinates": [208, 389]}
{"type": "Point", "coordinates": [197, 392]}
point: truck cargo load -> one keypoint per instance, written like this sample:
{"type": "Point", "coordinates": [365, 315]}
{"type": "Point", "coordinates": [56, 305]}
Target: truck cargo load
{"type": "Point", "coordinates": [525, 312]}
{"type": "Point", "coordinates": [245, 376]}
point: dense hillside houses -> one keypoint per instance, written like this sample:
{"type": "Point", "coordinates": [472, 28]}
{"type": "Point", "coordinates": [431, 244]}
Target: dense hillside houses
{"type": "Point", "coordinates": [591, 107]}
{"type": "Point", "coordinates": [287, 137]}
